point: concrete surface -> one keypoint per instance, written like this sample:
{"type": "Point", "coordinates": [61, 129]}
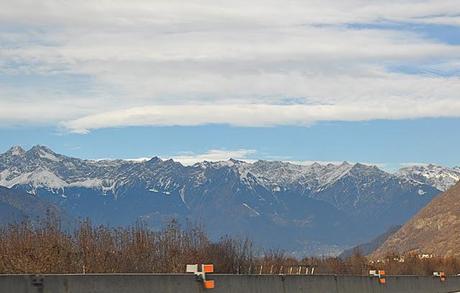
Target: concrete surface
{"type": "Point", "coordinates": [170, 283]}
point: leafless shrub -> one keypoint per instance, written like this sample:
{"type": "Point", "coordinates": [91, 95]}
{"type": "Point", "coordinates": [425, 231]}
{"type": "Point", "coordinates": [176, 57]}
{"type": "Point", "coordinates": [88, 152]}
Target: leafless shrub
{"type": "Point", "coordinates": [47, 248]}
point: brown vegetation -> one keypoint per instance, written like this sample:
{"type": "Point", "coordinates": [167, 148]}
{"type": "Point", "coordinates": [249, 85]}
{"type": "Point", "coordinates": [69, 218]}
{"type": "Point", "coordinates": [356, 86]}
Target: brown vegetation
{"type": "Point", "coordinates": [45, 248]}
{"type": "Point", "coordinates": [434, 230]}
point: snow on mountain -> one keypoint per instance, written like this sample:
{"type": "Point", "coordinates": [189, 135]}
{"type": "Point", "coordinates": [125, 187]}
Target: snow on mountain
{"type": "Point", "coordinates": [440, 177]}
{"type": "Point", "coordinates": [320, 205]}
{"type": "Point", "coordinates": [48, 156]}
{"type": "Point", "coordinates": [16, 151]}
{"type": "Point", "coordinates": [37, 178]}
{"type": "Point", "coordinates": [275, 173]}
{"type": "Point", "coordinates": [40, 167]}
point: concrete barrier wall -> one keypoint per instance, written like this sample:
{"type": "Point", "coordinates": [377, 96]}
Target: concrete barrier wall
{"type": "Point", "coordinates": [147, 283]}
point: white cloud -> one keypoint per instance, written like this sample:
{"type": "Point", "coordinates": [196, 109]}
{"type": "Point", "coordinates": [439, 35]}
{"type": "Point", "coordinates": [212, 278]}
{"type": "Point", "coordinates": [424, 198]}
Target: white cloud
{"type": "Point", "coordinates": [308, 162]}
{"type": "Point", "coordinates": [128, 14]}
{"type": "Point", "coordinates": [214, 156]}
{"type": "Point", "coordinates": [383, 166]}
{"type": "Point", "coordinates": [97, 64]}
{"type": "Point", "coordinates": [262, 115]}
{"type": "Point", "coordinates": [412, 164]}
{"type": "Point", "coordinates": [246, 155]}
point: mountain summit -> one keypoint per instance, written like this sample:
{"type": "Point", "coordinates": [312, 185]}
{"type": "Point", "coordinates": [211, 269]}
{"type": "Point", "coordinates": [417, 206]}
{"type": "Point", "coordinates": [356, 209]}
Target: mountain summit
{"type": "Point", "coordinates": [16, 151]}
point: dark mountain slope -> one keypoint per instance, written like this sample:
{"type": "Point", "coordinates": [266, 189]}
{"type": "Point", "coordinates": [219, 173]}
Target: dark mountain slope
{"type": "Point", "coordinates": [370, 247]}
{"type": "Point", "coordinates": [16, 206]}
{"type": "Point", "coordinates": [434, 230]}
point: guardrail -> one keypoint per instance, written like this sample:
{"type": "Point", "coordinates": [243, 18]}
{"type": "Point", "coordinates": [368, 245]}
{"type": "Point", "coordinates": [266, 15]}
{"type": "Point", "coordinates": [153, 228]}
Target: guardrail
{"type": "Point", "coordinates": [171, 283]}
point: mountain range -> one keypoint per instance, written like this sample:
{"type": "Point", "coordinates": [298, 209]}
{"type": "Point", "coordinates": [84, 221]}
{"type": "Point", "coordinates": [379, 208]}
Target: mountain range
{"type": "Point", "coordinates": [304, 209]}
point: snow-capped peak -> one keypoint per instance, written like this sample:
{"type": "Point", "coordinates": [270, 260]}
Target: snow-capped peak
{"type": "Point", "coordinates": [440, 177]}
{"type": "Point", "coordinates": [16, 151]}
{"type": "Point", "coordinates": [45, 154]}
{"type": "Point", "coordinates": [32, 167]}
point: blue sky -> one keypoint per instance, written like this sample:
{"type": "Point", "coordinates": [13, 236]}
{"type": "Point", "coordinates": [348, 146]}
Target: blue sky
{"type": "Point", "coordinates": [390, 144]}
{"type": "Point", "coordinates": [359, 80]}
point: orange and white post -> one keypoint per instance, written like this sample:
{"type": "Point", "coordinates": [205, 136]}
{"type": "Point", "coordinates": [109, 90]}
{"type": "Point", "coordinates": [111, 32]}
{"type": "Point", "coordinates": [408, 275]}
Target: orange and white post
{"type": "Point", "coordinates": [201, 274]}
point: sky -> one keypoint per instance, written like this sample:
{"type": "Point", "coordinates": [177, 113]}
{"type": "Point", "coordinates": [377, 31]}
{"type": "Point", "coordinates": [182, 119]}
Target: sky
{"type": "Point", "coordinates": [358, 80]}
